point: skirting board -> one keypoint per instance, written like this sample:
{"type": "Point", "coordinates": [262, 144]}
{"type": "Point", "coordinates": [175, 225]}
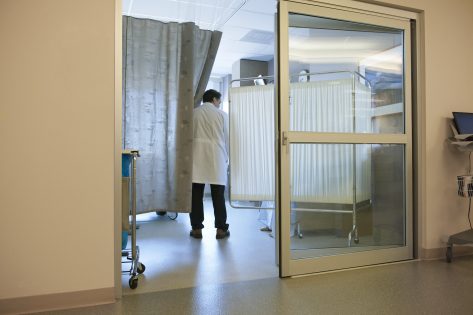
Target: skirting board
{"type": "Point", "coordinates": [58, 301]}
{"type": "Point", "coordinates": [439, 253]}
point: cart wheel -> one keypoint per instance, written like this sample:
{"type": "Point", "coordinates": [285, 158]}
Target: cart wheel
{"type": "Point", "coordinates": [161, 213]}
{"type": "Point", "coordinates": [173, 216]}
{"type": "Point", "coordinates": [449, 254]}
{"type": "Point", "coordinates": [140, 268]}
{"type": "Point", "coordinates": [133, 282]}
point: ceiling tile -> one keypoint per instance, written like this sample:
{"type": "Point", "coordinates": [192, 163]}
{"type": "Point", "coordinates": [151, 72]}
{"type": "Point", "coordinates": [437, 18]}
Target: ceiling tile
{"type": "Point", "coordinates": [126, 6]}
{"type": "Point", "coordinates": [208, 14]}
{"type": "Point", "coordinates": [252, 20]}
{"type": "Point", "coordinates": [261, 6]}
{"type": "Point", "coordinates": [254, 15]}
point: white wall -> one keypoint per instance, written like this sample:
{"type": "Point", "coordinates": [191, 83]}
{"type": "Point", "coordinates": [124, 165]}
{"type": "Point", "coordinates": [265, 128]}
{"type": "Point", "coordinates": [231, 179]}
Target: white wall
{"type": "Point", "coordinates": [448, 87]}
{"type": "Point", "coordinates": [57, 146]}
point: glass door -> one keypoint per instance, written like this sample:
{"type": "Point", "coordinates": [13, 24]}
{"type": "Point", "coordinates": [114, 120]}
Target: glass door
{"type": "Point", "coordinates": [345, 138]}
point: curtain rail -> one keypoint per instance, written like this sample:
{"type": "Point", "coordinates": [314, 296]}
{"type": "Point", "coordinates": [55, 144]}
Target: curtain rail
{"type": "Point", "coordinates": [305, 74]}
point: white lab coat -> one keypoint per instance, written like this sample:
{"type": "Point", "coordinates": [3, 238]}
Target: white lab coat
{"type": "Point", "coordinates": [210, 148]}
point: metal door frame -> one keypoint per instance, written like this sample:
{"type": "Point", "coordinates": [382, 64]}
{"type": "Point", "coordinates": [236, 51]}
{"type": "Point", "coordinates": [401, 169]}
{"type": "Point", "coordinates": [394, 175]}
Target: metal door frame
{"type": "Point", "coordinates": [349, 11]}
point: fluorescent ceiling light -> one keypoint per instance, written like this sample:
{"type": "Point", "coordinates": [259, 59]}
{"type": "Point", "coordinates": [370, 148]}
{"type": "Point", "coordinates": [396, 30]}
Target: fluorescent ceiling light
{"type": "Point", "coordinates": [390, 60]}
{"type": "Point", "coordinates": [332, 47]}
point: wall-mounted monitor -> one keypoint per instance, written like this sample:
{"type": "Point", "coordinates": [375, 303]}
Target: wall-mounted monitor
{"type": "Point", "coordinates": [463, 122]}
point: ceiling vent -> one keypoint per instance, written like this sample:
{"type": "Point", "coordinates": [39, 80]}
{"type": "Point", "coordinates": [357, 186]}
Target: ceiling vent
{"type": "Point", "coordinates": [260, 37]}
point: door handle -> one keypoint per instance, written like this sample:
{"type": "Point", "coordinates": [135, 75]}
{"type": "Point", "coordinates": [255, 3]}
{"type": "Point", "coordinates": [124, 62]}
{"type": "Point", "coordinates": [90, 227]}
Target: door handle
{"type": "Point", "coordinates": [285, 142]}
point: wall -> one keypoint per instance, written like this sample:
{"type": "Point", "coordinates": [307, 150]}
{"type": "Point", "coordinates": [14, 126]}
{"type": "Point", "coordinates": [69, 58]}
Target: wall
{"type": "Point", "coordinates": [246, 68]}
{"type": "Point", "coordinates": [56, 131]}
{"type": "Point", "coordinates": [236, 72]}
{"type": "Point", "coordinates": [57, 137]}
{"type": "Point", "coordinates": [448, 87]}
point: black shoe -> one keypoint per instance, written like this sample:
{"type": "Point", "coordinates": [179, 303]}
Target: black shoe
{"type": "Point", "coordinates": [197, 233]}
{"type": "Point", "coordinates": [222, 234]}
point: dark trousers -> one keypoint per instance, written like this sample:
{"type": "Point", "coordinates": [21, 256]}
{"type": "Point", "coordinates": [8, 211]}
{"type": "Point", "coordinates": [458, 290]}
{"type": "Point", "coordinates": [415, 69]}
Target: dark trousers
{"type": "Point", "coordinates": [218, 201]}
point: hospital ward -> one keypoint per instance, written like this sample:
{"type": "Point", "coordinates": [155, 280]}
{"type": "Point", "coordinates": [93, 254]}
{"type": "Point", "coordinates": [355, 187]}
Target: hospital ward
{"type": "Point", "coordinates": [342, 197]}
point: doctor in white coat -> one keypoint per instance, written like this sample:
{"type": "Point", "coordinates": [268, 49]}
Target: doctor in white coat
{"type": "Point", "coordinates": [210, 164]}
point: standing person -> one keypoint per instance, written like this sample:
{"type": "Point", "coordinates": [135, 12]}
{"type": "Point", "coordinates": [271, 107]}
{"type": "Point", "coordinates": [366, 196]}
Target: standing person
{"type": "Point", "coordinates": [210, 150]}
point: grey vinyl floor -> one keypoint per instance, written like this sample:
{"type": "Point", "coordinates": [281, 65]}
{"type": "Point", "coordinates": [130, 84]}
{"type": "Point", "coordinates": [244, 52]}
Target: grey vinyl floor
{"type": "Point", "coordinates": [238, 276]}
{"type": "Point", "coordinates": [174, 260]}
{"type": "Point", "coordinates": [417, 287]}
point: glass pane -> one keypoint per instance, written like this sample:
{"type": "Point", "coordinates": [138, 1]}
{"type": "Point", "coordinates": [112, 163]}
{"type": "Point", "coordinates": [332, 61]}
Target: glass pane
{"type": "Point", "coordinates": [346, 198]}
{"type": "Point", "coordinates": [345, 76]}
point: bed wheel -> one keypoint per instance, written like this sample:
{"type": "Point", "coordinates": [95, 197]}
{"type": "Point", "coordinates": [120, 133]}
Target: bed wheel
{"type": "Point", "coordinates": [449, 254]}
{"type": "Point", "coordinates": [172, 215]}
{"type": "Point", "coordinates": [140, 268]}
{"type": "Point", "coordinates": [356, 240]}
{"type": "Point", "coordinates": [133, 282]}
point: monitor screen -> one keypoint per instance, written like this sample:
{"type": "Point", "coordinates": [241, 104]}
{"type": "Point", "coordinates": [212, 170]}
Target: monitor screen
{"type": "Point", "coordinates": [463, 122]}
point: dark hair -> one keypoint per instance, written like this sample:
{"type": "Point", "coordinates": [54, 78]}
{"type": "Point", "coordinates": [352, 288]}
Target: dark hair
{"type": "Point", "coordinates": [209, 96]}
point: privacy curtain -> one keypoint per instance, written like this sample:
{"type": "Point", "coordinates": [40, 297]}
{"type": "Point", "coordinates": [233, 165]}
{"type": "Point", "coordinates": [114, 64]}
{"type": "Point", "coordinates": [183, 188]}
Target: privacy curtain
{"type": "Point", "coordinates": [321, 173]}
{"type": "Point", "coordinates": [252, 143]}
{"type": "Point", "coordinates": [324, 173]}
{"type": "Point", "coordinates": [166, 67]}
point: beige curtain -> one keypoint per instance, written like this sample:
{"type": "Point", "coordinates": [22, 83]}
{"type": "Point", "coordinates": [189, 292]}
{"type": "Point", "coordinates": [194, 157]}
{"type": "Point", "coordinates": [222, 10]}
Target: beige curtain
{"type": "Point", "coordinates": [166, 67]}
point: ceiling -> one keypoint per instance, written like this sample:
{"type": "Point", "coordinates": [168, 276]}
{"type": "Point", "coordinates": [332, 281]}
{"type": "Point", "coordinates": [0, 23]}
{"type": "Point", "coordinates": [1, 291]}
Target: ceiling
{"type": "Point", "coordinates": [247, 26]}
{"type": "Point", "coordinates": [248, 31]}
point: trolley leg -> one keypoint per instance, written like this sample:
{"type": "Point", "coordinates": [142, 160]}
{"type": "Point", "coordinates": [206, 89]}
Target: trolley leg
{"type": "Point", "coordinates": [133, 215]}
{"type": "Point", "coordinates": [357, 240]}
{"type": "Point", "coordinates": [353, 234]}
{"type": "Point", "coordinates": [298, 230]}
{"type": "Point", "coordinates": [449, 252]}
{"type": "Point", "coordinates": [133, 255]}
{"type": "Point", "coordinates": [354, 231]}
{"type": "Point", "coordinates": [349, 237]}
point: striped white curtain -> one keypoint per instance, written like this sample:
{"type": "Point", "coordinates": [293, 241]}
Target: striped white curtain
{"type": "Point", "coordinates": [321, 173]}
{"type": "Point", "coordinates": [252, 130]}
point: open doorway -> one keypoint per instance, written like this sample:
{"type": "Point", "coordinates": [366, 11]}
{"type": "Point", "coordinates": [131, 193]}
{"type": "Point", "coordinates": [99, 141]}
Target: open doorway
{"type": "Point", "coordinates": [173, 259]}
{"type": "Point", "coordinates": [326, 218]}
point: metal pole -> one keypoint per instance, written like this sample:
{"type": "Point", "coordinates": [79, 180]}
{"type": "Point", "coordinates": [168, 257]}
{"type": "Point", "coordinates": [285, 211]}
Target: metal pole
{"type": "Point", "coordinates": [133, 209]}
{"type": "Point", "coordinates": [356, 73]}
{"type": "Point", "coordinates": [354, 228]}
